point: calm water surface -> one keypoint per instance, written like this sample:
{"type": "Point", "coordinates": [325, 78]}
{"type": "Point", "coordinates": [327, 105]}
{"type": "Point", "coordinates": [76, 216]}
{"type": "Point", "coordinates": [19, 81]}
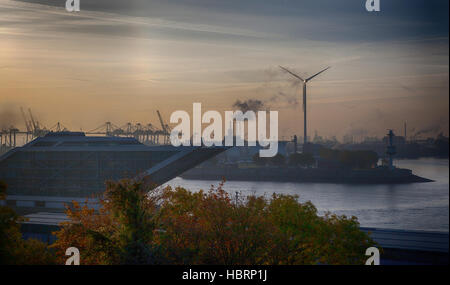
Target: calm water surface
{"type": "Point", "coordinates": [417, 206]}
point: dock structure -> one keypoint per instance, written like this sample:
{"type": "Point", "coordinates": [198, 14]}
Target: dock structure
{"type": "Point", "coordinates": [146, 133]}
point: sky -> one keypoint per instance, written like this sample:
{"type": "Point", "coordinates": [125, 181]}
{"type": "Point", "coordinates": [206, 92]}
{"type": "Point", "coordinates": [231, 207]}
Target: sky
{"type": "Point", "coordinates": [120, 61]}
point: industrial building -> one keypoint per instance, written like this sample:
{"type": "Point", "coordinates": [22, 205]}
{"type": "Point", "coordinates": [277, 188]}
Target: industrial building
{"type": "Point", "coordinates": [62, 166]}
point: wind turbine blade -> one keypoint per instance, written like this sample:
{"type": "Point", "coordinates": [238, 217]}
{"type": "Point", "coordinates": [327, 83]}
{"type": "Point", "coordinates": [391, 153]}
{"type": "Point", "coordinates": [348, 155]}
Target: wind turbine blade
{"type": "Point", "coordinates": [291, 73]}
{"type": "Point", "coordinates": [308, 79]}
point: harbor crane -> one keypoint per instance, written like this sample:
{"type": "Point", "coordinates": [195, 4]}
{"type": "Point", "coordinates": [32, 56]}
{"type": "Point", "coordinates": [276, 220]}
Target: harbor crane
{"type": "Point", "coordinates": [165, 127]}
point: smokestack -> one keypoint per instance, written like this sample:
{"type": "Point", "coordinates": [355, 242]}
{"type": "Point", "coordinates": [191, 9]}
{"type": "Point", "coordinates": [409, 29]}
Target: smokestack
{"type": "Point", "coordinates": [405, 131]}
{"type": "Point", "coordinates": [295, 143]}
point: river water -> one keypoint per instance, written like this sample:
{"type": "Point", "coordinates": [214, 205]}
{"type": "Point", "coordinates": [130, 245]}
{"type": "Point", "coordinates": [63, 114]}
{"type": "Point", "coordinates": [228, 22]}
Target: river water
{"type": "Point", "coordinates": [417, 206]}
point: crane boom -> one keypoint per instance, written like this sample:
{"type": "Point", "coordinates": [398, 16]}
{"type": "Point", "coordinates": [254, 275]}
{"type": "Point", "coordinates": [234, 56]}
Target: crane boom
{"type": "Point", "coordinates": [32, 120]}
{"type": "Point", "coordinates": [163, 126]}
{"type": "Point", "coordinates": [27, 124]}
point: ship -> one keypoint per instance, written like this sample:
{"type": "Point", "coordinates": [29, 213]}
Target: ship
{"type": "Point", "coordinates": [65, 166]}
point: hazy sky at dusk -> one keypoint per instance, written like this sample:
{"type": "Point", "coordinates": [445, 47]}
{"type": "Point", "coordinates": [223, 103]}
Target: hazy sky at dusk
{"type": "Point", "coordinates": [120, 61]}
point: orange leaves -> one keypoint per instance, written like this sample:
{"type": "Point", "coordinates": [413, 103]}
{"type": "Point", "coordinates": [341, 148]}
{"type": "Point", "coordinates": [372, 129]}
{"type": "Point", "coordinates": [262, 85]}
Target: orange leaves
{"type": "Point", "coordinates": [213, 228]}
{"type": "Point", "coordinates": [121, 232]}
{"type": "Point", "coordinates": [138, 225]}
{"type": "Point", "coordinates": [13, 248]}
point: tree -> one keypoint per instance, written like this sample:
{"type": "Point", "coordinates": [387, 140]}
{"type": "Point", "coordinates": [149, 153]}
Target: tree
{"type": "Point", "coordinates": [277, 160]}
{"type": "Point", "coordinates": [361, 159]}
{"type": "Point", "coordinates": [260, 160]}
{"type": "Point", "coordinates": [303, 237]}
{"type": "Point", "coordinates": [209, 228]}
{"type": "Point", "coordinates": [121, 232]}
{"type": "Point", "coordinates": [13, 248]}
{"type": "Point", "coordinates": [302, 159]}
{"type": "Point", "coordinates": [141, 225]}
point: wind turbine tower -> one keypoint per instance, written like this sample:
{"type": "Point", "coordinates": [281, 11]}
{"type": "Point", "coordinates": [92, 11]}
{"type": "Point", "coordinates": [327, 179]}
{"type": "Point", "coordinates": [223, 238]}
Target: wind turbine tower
{"type": "Point", "coordinates": [305, 138]}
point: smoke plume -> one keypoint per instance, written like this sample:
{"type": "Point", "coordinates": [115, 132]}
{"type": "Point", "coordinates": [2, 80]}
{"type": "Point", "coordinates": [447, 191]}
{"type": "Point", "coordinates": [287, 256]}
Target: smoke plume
{"type": "Point", "coordinates": [291, 100]}
{"type": "Point", "coordinates": [431, 129]}
{"type": "Point", "coordinates": [249, 105]}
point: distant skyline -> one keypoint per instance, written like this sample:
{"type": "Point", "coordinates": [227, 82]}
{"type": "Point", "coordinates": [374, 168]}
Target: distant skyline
{"type": "Point", "coordinates": [121, 61]}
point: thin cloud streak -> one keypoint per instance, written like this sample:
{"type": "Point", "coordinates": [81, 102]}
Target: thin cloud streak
{"type": "Point", "coordinates": [97, 63]}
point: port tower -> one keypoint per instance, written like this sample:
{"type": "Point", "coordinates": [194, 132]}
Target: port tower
{"type": "Point", "coordinates": [391, 150]}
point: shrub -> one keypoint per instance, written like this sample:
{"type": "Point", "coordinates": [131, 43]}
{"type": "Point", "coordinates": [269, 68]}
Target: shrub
{"type": "Point", "coordinates": [277, 160]}
{"type": "Point", "coordinates": [14, 250]}
{"type": "Point", "coordinates": [176, 226]}
{"type": "Point", "coordinates": [121, 232]}
{"type": "Point", "coordinates": [361, 159]}
{"type": "Point", "coordinates": [302, 159]}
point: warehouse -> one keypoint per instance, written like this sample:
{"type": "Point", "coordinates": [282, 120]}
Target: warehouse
{"type": "Point", "coordinates": [71, 165]}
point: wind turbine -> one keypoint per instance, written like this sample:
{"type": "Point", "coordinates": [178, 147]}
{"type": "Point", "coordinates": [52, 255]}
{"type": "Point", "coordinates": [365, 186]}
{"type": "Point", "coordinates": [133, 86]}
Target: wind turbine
{"type": "Point", "coordinates": [305, 140]}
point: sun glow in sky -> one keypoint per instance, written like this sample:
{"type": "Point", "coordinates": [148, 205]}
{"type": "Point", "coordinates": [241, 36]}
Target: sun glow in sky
{"type": "Point", "coordinates": [121, 61]}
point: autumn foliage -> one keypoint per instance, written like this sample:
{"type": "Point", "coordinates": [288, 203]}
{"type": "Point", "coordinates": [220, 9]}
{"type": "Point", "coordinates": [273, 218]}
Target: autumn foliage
{"type": "Point", "coordinates": [120, 232]}
{"type": "Point", "coordinates": [14, 250]}
{"type": "Point", "coordinates": [140, 225]}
